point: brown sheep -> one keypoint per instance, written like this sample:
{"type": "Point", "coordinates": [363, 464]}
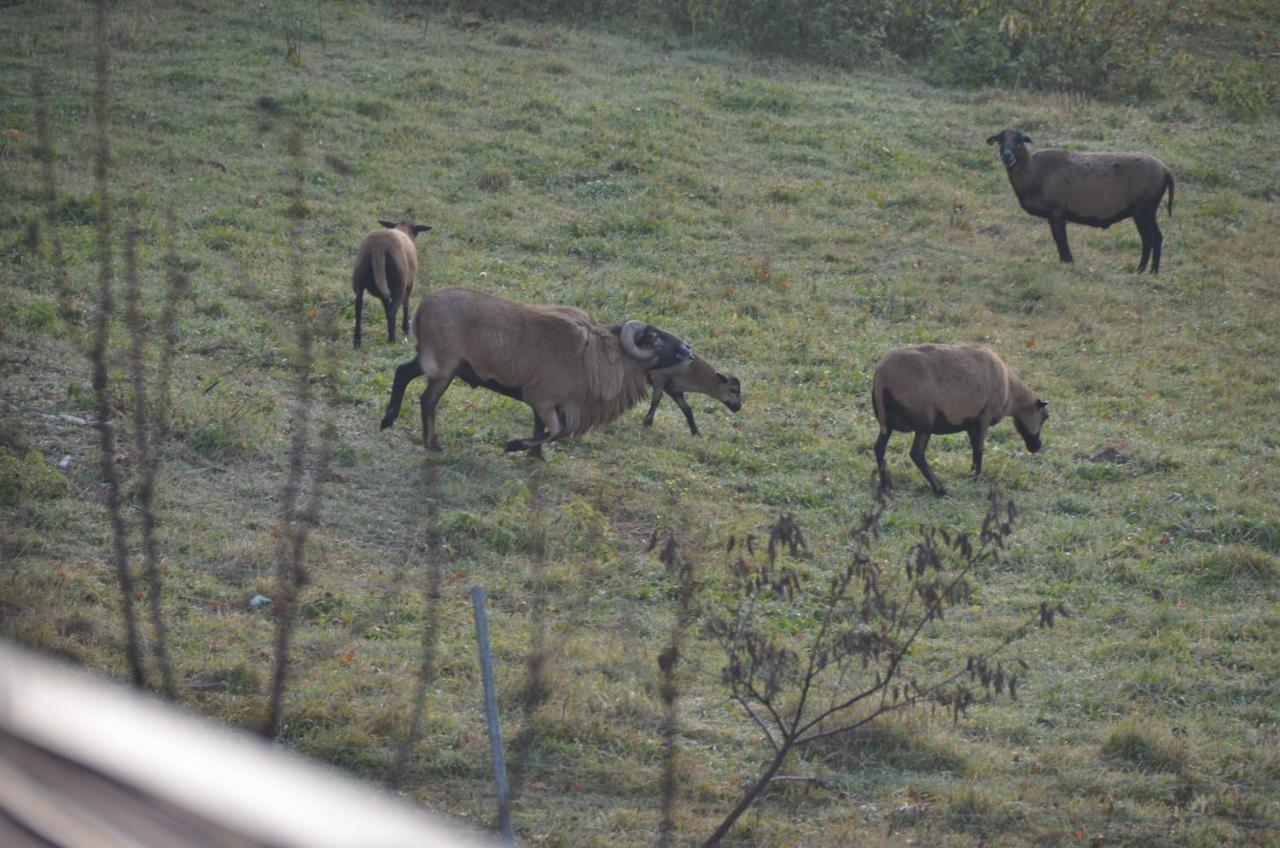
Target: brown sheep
{"type": "Point", "coordinates": [696, 375]}
{"type": "Point", "coordinates": [574, 374]}
{"type": "Point", "coordinates": [1095, 189]}
{"type": "Point", "coordinates": [935, 389]}
{"type": "Point", "coordinates": [386, 266]}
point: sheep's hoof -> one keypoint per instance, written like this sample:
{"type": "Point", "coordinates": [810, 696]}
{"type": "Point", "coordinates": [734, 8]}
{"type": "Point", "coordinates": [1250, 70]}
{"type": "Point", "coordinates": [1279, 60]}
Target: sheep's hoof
{"type": "Point", "coordinates": [941, 491]}
{"type": "Point", "coordinates": [535, 453]}
{"type": "Point", "coordinates": [387, 421]}
{"type": "Point", "coordinates": [514, 445]}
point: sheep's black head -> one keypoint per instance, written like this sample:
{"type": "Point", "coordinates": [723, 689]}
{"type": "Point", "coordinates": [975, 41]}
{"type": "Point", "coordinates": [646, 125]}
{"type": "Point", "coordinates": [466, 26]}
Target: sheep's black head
{"type": "Point", "coordinates": [1031, 422]}
{"type": "Point", "coordinates": [1011, 145]}
{"type": "Point", "coordinates": [406, 226]}
{"type": "Point", "coordinates": [658, 348]}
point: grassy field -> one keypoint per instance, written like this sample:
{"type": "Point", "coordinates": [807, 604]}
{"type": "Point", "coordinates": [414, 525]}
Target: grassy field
{"type": "Point", "coordinates": [793, 223]}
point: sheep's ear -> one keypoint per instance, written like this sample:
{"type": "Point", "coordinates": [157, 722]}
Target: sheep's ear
{"type": "Point", "coordinates": [995, 139]}
{"type": "Point", "coordinates": [721, 377]}
{"type": "Point", "coordinates": [1026, 139]}
{"type": "Point", "coordinates": [421, 228]}
{"type": "Point", "coordinates": [389, 224]}
{"type": "Point", "coordinates": [1041, 403]}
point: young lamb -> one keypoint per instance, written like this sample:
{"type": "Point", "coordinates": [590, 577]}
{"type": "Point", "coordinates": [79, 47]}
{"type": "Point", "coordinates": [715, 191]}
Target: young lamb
{"type": "Point", "coordinates": [928, 389]}
{"type": "Point", "coordinates": [386, 267]}
{"type": "Point", "coordinates": [696, 375]}
{"type": "Point", "coordinates": [1095, 189]}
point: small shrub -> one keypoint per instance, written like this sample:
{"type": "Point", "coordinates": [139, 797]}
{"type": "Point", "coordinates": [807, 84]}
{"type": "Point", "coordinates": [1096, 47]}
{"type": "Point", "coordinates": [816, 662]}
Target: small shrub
{"type": "Point", "coordinates": [495, 180]}
{"type": "Point", "coordinates": [979, 811]}
{"type": "Point", "coordinates": [971, 52]}
{"type": "Point", "coordinates": [1245, 90]}
{"type": "Point", "coordinates": [1239, 560]}
{"type": "Point", "coordinates": [903, 744]}
{"type": "Point", "coordinates": [1145, 748]}
{"type": "Point", "coordinates": [29, 477]}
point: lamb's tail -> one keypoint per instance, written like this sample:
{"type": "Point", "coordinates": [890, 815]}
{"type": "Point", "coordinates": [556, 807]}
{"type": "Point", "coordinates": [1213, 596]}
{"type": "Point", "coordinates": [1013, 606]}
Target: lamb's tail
{"type": "Point", "coordinates": [379, 260]}
{"type": "Point", "coordinates": [1168, 181]}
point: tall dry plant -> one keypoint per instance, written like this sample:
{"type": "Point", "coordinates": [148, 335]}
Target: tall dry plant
{"type": "Point", "coordinates": [47, 155]}
{"type": "Point", "coordinates": [856, 665]}
{"type": "Point", "coordinates": [295, 521]}
{"type": "Point", "coordinates": [146, 458]}
{"type": "Point", "coordinates": [680, 569]}
{"type": "Point", "coordinates": [431, 631]}
{"type": "Point", "coordinates": [536, 689]}
{"type": "Point", "coordinates": [101, 338]}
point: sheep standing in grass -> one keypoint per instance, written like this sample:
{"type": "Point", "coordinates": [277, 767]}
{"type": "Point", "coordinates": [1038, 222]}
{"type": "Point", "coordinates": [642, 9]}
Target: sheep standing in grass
{"type": "Point", "coordinates": [696, 375]}
{"type": "Point", "coordinates": [936, 389]}
{"type": "Point", "coordinates": [1095, 189]}
{"type": "Point", "coordinates": [386, 267]}
{"type": "Point", "coordinates": [574, 374]}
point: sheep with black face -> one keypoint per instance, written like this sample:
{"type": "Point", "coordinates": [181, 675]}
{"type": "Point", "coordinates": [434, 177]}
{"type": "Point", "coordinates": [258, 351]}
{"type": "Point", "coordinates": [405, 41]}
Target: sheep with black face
{"type": "Point", "coordinates": [1094, 189]}
{"type": "Point", "coordinates": [574, 374]}
{"type": "Point", "coordinates": [386, 266]}
{"type": "Point", "coordinates": [937, 389]}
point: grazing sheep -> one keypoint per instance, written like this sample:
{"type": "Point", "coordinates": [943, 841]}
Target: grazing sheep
{"type": "Point", "coordinates": [928, 389]}
{"type": "Point", "coordinates": [386, 267]}
{"type": "Point", "coordinates": [696, 375]}
{"type": "Point", "coordinates": [1095, 189]}
{"type": "Point", "coordinates": [574, 374]}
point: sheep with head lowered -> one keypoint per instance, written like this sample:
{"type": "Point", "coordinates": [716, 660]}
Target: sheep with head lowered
{"type": "Point", "coordinates": [386, 266]}
{"type": "Point", "coordinates": [574, 374]}
{"type": "Point", "coordinates": [1095, 189]}
{"type": "Point", "coordinates": [699, 376]}
{"type": "Point", "coordinates": [937, 389]}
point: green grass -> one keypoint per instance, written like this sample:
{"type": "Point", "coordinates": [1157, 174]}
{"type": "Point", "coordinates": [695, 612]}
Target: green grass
{"type": "Point", "coordinates": [793, 225]}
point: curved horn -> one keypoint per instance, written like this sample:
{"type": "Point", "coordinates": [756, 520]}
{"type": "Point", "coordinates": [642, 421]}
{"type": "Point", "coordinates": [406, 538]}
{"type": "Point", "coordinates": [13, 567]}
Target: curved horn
{"type": "Point", "coordinates": [630, 330]}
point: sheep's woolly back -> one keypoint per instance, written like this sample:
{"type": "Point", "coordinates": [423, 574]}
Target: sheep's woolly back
{"type": "Point", "coordinates": [378, 250]}
{"type": "Point", "coordinates": [553, 354]}
{"type": "Point", "coordinates": [1089, 186]}
{"type": "Point", "coordinates": [957, 384]}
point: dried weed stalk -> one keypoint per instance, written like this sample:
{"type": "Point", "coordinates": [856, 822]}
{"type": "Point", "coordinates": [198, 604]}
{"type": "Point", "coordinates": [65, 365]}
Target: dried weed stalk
{"type": "Point", "coordinates": [680, 569]}
{"type": "Point", "coordinates": [296, 523]}
{"type": "Point", "coordinates": [431, 632]}
{"type": "Point", "coordinates": [49, 189]}
{"type": "Point", "coordinates": [146, 459]}
{"type": "Point", "coordinates": [101, 338]}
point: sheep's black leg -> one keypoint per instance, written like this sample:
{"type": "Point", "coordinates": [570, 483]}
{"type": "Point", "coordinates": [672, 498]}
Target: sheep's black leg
{"type": "Point", "coordinates": [550, 416]}
{"type": "Point", "coordinates": [977, 439]}
{"type": "Point", "coordinates": [404, 321]}
{"type": "Point", "coordinates": [1157, 241]}
{"type": "Point", "coordinates": [431, 397]}
{"type": "Point", "coordinates": [404, 375]}
{"type": "Point", "coordinates": [1144, 230]}
{"type": "Point", "coordinates": [539, 431]}
{"type": "Point", "coordinates": [653, 404]}
{"type": "Point", "coordinates": [1058, 226]}
{"type": "Point", "coordinates": [917, 456]}
{"type": "Point", "coordinates": [359, 313]}
{"type": "Point", "coordinates": [678, 397]}
{"type": "Point", "coordinates": [389, 306]}
{"type": "Point", "coordinates": [881, 443]}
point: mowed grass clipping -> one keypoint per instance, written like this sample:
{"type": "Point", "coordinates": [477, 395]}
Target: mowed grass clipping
{"type": "Point", "coordinates": [793, 223]}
